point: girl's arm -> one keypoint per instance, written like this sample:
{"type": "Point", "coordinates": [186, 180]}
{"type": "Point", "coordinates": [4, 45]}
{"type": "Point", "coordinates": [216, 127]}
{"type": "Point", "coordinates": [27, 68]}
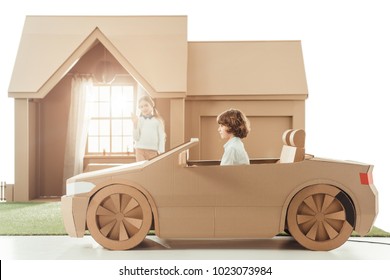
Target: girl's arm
{"type": "Point", "coordinates": [136, 127]}
{"type": "Point", "coordinates": [161, 138]}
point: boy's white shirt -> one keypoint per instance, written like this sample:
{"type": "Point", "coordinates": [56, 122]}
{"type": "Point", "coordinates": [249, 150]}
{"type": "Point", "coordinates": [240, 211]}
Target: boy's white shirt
{"type": "Point", "coordinates": [149, 134]}
{"type": "Point", "coordinates": [235, 153]}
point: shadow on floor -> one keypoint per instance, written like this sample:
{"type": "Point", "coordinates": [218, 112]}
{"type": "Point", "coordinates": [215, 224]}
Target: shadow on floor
{"type": "Point", "coordinates": [154, 243]}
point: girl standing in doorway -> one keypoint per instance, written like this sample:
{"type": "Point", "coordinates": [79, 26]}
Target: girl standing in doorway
{"type": "Point", "coordinates": [149, 131]}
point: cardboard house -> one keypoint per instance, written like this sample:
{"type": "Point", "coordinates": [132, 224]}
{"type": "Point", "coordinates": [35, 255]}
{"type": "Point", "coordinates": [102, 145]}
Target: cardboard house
{"type": "Point", "coordinates": [191, 83]}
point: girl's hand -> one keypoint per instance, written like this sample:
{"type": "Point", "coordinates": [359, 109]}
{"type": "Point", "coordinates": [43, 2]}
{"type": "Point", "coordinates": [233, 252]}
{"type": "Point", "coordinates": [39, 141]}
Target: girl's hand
{"type": "Point", "coordinates": [134, 118]}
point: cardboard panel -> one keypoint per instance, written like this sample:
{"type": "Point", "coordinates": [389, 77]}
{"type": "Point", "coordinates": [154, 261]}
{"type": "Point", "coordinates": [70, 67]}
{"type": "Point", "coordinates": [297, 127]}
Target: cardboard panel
{"type": "Point", "coordinates": [51, 135]}
{"type": "Point", "coordinates": [258, 222]}
{"type": "Point", "coordinates": [182, 222]}
{"type": "Point", "coordinates": [254, 68]}
{"type": "Point", "coordinates": [146, 44]}
{"type": "Point", "coordinates": [74, 215]}
{"type": "Point", "coordinates": [264, 140]}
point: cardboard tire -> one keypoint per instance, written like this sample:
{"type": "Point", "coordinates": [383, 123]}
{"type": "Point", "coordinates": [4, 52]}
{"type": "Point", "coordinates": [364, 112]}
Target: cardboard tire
{"type": "Point", "coordinates": [119, 217]}
{"type": "Point", "coordinates": [321, 217]}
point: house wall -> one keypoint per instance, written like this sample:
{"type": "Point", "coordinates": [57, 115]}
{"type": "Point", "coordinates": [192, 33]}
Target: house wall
{"type": "Point", "coordinates": [51, 135]}
{"type": "Point", "coordinates": [264, 79]}
{"type": "Point", "coordinates": [192, 82]}
{"type": "Point", "coordinates": [32, 151]}
{"type": "Point", "coordinates": [48, 128]}
{"type": "Point", "coordinates": [24, 153]}
{"type": "Point", "coordinates": [268, 120]}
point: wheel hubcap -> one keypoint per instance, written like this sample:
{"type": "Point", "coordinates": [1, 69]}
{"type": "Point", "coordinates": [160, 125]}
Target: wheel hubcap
{"type": "Point", "coordinates": [321, 217]}
{"type": "Point", "coordinates": [119, 217]}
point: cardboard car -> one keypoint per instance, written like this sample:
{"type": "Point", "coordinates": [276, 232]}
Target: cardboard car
{"type": "Point", "coordinates": [318, 201]}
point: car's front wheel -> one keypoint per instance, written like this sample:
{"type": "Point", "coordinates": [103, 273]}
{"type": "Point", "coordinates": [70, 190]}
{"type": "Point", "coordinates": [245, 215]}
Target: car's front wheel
{"type": "Point", "coordinates": [119, 217]}
{"type": "Point", "coordinates": [321, 217]}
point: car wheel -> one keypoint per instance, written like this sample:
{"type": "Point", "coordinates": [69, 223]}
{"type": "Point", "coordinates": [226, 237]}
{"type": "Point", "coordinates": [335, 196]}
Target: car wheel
{"type": "Point", "coordinates": [119, 217]}
{"type": "Point", "coordinates": [321, 217]}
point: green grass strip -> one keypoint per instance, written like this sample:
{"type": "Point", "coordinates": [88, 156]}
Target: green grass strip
{"type": "Point", "coordinates": [31, 218]}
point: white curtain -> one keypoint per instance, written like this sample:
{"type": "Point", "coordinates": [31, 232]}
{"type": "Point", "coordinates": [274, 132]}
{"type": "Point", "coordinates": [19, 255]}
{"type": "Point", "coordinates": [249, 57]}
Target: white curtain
{"type": "Point", "coordinates": [78, 121]}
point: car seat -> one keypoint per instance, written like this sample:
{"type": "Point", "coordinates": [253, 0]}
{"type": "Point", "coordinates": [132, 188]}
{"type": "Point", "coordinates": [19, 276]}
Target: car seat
{"type": "Point", "coordinates": [294, 146]}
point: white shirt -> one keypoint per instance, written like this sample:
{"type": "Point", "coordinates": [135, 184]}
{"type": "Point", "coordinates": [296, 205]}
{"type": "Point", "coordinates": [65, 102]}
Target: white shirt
{"type": "Point", "coordinates": [149, 134]}
{"type": "Point", "coordinates": [235, 153]}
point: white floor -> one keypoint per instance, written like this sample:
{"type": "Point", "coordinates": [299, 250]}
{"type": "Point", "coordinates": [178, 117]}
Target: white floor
{"type": "Point", "coordinates": [153, 248]}
{"type": "Point", "coordinates": [62, 257]}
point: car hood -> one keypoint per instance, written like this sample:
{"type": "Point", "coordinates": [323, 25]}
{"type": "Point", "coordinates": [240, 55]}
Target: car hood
{"type": "Point", "coordinates": [131, 167]}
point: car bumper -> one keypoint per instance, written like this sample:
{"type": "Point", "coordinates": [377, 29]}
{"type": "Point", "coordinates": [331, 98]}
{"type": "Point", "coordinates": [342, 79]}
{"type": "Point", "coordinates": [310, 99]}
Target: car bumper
{"type": "Point", "coordinates": [368, 207]}
{"type": "Point", "coordinates": [74, 212]}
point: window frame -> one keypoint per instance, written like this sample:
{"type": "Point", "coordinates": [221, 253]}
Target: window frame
{"type": "Point", "coordinates": [110, 118]}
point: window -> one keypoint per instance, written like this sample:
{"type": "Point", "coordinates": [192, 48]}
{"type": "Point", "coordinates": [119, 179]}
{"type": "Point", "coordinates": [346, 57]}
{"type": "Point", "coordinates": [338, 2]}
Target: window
{"type": "Point", "coordinates": [111, 128]}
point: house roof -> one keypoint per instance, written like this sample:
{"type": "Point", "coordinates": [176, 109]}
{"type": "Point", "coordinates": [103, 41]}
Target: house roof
{"type": "Point", "coordinates": [151, 48]}
{"type": "Point", "coordinates": [265, 68]}
{"type": "Point", "coordinates": [155, 51]}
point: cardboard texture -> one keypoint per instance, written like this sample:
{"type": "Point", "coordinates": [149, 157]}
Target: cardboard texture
{"type": "Point", "coordinates": [319, 201]}
{"type": "Point", "coordinates": [183, 192]}
{"type": "Point", "coordinates": [294, 146]}
{"type": "Point", "coordinates": [191, 83]}
{"type": "Point", "coordinates": [73, 212]}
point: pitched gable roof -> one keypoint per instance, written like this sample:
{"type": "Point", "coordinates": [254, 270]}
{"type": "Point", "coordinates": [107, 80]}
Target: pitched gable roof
{"type": "Point", "coordinates": [153, 49]}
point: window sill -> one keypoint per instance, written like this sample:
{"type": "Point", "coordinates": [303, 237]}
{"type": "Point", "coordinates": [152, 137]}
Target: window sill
{"type": "Point", "coordinates": [130, 156]}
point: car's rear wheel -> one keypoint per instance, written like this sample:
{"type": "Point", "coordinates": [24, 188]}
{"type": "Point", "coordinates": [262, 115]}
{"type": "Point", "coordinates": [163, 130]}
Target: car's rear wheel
{"type": "Point", "coordinates": [321, 217]}
{"type": "Point", "coordinates": [119, 217]}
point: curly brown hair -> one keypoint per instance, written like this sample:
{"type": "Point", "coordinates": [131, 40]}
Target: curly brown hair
{"type": "Point", "coordinates": [235, 121]}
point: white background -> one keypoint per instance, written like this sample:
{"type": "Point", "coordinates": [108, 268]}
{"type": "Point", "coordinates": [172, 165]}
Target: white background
{"type": "Point", "coordinates": [346, 49]}
{"type": "Point", "coordinates": [109, 269]}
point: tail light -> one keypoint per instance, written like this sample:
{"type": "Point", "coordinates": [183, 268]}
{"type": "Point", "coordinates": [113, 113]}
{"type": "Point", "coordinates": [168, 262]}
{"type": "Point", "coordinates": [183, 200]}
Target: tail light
{"type": "Point", "coordinates": [366, 178]}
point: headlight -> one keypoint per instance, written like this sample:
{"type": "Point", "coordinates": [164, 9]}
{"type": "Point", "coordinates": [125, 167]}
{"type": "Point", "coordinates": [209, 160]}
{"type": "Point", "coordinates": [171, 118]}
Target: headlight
{"type": "Point", "coordinates": [78, 187]}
